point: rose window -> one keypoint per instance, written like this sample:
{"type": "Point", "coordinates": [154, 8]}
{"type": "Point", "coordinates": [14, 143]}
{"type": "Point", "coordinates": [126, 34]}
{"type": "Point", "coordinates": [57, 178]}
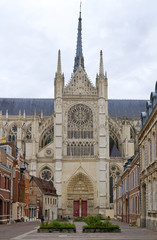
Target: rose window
{"type": "Point", "coordinates": [46, 174]}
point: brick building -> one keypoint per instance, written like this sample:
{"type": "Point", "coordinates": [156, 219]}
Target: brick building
{"type": "Point", "coordinates": [18, 204]}
{"type": "Point", "coordinates": [14, 184]}
{"type": "Point", "coordinates": [148, 163]}
{"type": "Point", "coordinates": [26, 190]}
{"type": "Point", "coordinates": [6, 164]}
{"type": "Point", "coordinates": [127, 193]}
{"type": "Point", "coordinates": [42, 199]}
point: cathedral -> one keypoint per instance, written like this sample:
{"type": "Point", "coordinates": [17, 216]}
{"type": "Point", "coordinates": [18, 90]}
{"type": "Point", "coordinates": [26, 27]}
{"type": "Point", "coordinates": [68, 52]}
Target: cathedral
{"type": "Point", "coordinates": [79, 140]}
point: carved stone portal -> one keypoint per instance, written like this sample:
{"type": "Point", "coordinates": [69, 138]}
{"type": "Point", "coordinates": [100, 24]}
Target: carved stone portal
{"type": "Point", "coordinates": [80, 188]}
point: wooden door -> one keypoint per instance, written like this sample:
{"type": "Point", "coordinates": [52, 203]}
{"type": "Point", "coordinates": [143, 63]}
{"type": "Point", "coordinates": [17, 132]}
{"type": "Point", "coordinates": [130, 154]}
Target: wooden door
{"type": "Point", "coordinates": [76, 208]}
{"type": "Point", "coordinates": [84, 209]}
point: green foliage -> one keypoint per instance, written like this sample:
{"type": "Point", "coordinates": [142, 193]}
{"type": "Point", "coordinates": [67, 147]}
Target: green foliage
{"type": "Point", "coordinates": [99, 216]}
{"type": "Point", "coordinates": [56, 224]}
{"type": "Point", "coordinates": [95, 222]}
{"type": "Point", "coordinates": [111, 227]}
{"type": "Point", "coordinates": [92, 220]}
{"type": "Point", "coordinates": [62, 220]}
{"type": "Point", "coordinates": [79, 219]}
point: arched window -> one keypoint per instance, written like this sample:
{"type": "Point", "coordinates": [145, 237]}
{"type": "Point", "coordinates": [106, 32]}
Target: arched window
{"type": "Point", "coordinates": [80, 126]}
{"type": "Point", "coordinates": [29, 133]}
{"type": "Point", "coordinates": [12, 137]}
{"type": "Point", "coordinates": [80, 122]}
{"type": "Point", "coordinates": [47, 136]}
{"type": "Point", "coordinates": [115, 173]}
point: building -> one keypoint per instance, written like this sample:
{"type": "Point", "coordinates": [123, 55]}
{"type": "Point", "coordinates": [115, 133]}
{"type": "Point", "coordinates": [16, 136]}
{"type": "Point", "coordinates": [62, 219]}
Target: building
{"type": "Point", "coordinates": [6, 163]}
{"type": "Point", "coordinates": [80, 140]}
{"type": "Point", "coordinates": [27, 177]}
{"type": "Point", "coordinates": [127, 193]}
{"type": "Point", "coordinates": [14, 183]}
{"type": "Point", "coordinates": [18, 178]}
{"type": "Point", "coordinates": [148, 163]}
{"type": "Point", "coordinates": [42, 199]}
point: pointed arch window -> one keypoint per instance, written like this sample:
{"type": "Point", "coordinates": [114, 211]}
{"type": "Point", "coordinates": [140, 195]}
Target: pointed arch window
{"type": "Point", "coordinates": [29, 133]}
{"type": "Point", "coordinates": [80, 128]}
{"type": "Point", "coordinates": [115, 173]}
{"type": "Point", "coordinates": [47, 136]}
{"type": "Point", "coordinates": [80, 122]}
{"type": "Point", "coordinates": [12, 137]}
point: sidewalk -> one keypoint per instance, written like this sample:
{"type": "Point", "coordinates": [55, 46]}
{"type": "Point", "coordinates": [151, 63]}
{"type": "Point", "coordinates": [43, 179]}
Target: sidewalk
{"type": "Point", "coordinates": [29, 232]}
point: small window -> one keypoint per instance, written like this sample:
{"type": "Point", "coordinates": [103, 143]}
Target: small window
{"type": "Point", "coordinates": [154, 147]}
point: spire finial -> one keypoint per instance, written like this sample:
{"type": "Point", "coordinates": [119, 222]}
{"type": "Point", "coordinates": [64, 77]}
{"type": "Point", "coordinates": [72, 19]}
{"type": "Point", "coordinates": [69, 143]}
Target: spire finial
{"type": "Point", "coordinates": [101, 69]}
{"type": "Point", "coordinates": [80, 8]}
{"type": "Point", "coordinates": [59, 63]}
{"type": "Point", "coordinates": [79, 52]}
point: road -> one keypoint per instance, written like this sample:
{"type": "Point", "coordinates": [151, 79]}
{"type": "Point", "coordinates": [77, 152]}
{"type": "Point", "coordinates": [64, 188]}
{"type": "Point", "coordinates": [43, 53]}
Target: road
{"type": "Point", "coordinates": [28, 231]}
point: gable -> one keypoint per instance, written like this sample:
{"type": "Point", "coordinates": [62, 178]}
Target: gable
{"type": "Point", "coordinates": [80, 84]}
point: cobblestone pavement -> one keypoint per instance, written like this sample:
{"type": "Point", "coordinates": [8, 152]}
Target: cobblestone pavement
{"type": "Point", "coordinates": [127, 232]}
{"type": "Point", "coordinates": [8, 231]}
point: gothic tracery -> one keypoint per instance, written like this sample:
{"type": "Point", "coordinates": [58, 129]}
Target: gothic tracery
{"type": "Point", "coordinates": [47, 136]}
{"type": "Point", "coordinates": [80, 131]}
{"type": "Point", "coordinates": [12, 136]}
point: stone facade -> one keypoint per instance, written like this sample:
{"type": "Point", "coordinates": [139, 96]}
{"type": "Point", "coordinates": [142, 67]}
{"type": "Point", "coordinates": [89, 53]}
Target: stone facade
{"type": "Point", "coordinates": [81, 145]}
{"type": "Point", "coordinates": [148, 163]}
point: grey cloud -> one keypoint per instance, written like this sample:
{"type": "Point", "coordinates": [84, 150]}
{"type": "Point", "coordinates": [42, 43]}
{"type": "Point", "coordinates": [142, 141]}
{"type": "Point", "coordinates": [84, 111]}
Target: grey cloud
{"type": "Point", "coordinates": [33, 31]}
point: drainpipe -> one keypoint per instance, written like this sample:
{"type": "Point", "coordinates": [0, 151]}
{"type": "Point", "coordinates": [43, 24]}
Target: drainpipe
{"type": "Point", "coordinates": [139, 183]}
{"type": "Point", "coordinates": [11, 195]}
{"type": "Point", "coordinates": [122, 200]}
{"type": "Point", "coordinates": [128, 198]}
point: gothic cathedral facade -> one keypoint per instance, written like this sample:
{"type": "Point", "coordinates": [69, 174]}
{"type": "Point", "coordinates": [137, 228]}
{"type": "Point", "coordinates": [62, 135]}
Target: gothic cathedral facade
{"type": "Point", "coordinates": [79, 146]}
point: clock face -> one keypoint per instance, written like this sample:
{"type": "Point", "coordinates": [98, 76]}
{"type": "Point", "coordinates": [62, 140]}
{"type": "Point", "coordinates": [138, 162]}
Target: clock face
{"type": "Point", "coordinates": [48, 151]}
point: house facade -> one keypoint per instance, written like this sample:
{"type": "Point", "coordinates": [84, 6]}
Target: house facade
{"type": "Point", "coordinates": [148, 163]}
{"type": "Point", "coordinates": [43, 199]}
{"type": "Point", "coordinates": [127, 193]}
{"type": "Point", "coordinates": [6, 163]}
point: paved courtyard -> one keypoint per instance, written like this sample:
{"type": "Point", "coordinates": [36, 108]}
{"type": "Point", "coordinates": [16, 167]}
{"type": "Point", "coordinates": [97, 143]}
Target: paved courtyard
{"type": "Point", "coordinates": [27, 231]}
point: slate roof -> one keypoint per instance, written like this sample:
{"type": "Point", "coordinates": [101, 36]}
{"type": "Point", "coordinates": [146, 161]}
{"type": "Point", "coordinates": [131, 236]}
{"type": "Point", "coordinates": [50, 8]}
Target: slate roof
{"type": "Point", "coordinates": [126, 108]}
{"type": "Point", "coordinates": [115, 152]}
{"type": "Point", "coordinates": [116, 107]}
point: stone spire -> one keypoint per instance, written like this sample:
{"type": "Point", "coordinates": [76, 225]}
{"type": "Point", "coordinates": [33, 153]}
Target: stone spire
{"type": "Point", "coordinates": [101, 68]}
{"type": "Point", "coordinates": [59, 71]}
{"type": "Point", "coordinates": [79, 52]}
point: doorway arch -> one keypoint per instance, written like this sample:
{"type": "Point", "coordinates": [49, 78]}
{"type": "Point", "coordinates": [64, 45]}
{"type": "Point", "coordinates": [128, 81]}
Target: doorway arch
{"type": "Point", "coordinates": [80, 195]}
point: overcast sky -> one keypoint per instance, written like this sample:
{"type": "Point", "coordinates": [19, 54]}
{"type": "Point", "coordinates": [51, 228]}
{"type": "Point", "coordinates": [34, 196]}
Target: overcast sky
{"type": "Point", "coordinates": [32, 31]}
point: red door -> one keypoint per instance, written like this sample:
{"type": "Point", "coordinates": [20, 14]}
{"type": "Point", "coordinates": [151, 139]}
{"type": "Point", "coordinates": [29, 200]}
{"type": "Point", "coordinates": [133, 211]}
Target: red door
{"type": "Point", "coordinates": [84, 209]}
{"type": "Point", "coordinates": [76, 208]}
